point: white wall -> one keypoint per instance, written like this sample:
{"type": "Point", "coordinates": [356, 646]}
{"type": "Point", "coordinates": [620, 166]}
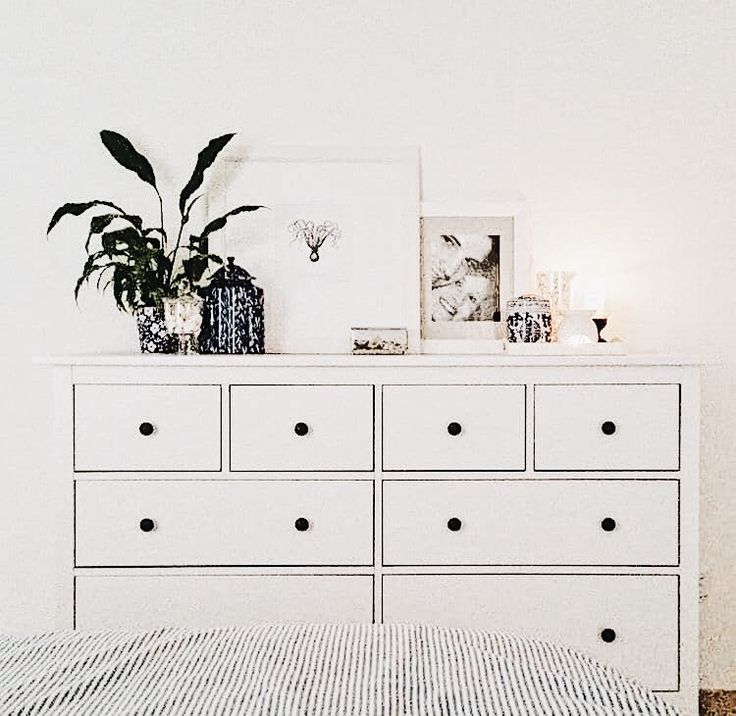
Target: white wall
{"type": "Point", "coordinates": [615, 119]}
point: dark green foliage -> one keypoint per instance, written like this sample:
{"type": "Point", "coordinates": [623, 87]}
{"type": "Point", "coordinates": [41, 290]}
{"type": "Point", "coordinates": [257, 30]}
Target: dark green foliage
{"type": "Point", "coordinates": [204, 161]}
{"type": "Point", "coordinates": [127, 155]}
{"type": "Point", "coordinates": [219, 223]}
{"type": "Point", "coordinates": [76, 210]}
{"type": "Point", "coordinates": [134, 260]}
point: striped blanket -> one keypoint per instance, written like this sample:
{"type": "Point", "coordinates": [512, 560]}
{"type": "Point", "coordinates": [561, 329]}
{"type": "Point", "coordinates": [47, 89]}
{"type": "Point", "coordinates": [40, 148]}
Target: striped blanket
{"type": "Point", "coordinates": [309, 669]}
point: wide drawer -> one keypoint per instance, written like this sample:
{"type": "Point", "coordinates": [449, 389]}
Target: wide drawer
{"type": "Point", "coordinates": [539, 522]}
{"type": "Point", "coordinates": [454, 427]}
{"type": "Point", "coordinates": [177, 523]}
{"type": "Point", "coordinates": [629, 622]}
{"type": "Point", "coordinates": [301, 427]}
{"type": "Point", "coordinates": [200, 601]}
{"type": "Point", "coordinates": [607, 427]}
{"type": "Point", "coordinates": [147, 427]}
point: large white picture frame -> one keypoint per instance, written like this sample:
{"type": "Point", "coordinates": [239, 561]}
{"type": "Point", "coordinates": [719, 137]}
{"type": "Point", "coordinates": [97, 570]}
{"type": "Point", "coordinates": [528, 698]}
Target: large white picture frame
{"type": "Point", "coordinates": [492, 237]}
{"type": "Point", "coordinates": [367, 271]}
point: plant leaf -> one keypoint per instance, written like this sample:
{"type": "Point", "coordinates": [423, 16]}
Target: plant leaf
{"type": "Point", "coordinates": [204, 160]}
{"type": "Point", "coordinates": [120, 241]}
{"type": "Point", "coordinates": [217, 224]}
{"type": "Point", "coordinates": [127, 155]}
{"type": "Point", "coordinates": [76, 209]}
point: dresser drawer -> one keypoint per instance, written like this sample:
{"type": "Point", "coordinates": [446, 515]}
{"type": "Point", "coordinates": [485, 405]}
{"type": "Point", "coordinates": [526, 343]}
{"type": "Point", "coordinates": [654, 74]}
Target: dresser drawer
{"type": "Point", "coordinates": [147, 427]}
{"type": "Point", "coordinates": [525, 522]}
{"type": "Point", "coordinates": [301, 427]}
{"type": "Point", "coordinates": [201, 601]}
{"type": "Point", "coordinates": [607, 427]}
{"type": "Point", "coordinates": [177, 523]}
{"type": "Point", "coordinates": [454, 427]}
{"type": "Point", "coordinates": [640, 613]}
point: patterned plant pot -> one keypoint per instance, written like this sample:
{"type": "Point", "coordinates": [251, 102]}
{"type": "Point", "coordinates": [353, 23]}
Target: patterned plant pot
{"type": "Point", "coordinates": [152, 333]}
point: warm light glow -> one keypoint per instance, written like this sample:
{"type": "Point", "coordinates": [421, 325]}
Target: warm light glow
{"type": "Point", "coordinates": [595, 300]}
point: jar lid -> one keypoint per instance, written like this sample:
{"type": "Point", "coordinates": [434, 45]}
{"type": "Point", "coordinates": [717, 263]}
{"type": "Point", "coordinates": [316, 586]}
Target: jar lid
{"type": "Point", "coordinates": [528, 302]}
{"type": "Point", "coordinates": [230, 275]}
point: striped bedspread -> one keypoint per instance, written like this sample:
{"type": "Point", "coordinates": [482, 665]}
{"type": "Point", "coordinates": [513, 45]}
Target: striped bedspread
{"type": "Point", "coordinates": [309, 669]}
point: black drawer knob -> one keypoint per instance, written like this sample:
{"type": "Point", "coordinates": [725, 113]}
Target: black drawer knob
{"type": "Point", "coordinates": [454, 428]}
{"type": "Point", "coordinates": [146, 428]}
{"type": "Point", "coordinates": [608, 524]}
{"type": "Point", "coordinates": [301, 429]}
{"type": "Point", "coordinates": [147, 525]}
{"type": "Point", "coordinates": [608, 635]}
{"type": "Point", "coordinates": [454, 524]}
{"type": "Point", "coordinates": [302, 524]}
{"type": "Point", "coordinates": [608, 427]}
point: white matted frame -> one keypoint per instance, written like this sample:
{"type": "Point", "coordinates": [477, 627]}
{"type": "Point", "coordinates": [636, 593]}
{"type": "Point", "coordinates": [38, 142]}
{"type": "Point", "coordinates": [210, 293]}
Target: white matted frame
{"type": "Point", "coordinates": [368, 277]}
{"type": "Point", "coordinates": [503, 217]}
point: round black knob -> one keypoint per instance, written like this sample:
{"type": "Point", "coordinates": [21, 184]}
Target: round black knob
{"type": "Point", "coordinates": [146, 429]}
{"type": "Point", "coordinates": [608, 428]}
{"type": "Point", "coordinates": [454, 428]}
{"type": "Point", "coordinates": [608, 524]}
{"type": "Point", "coordinates": [301, 429]}
{"type": "Point", "coordinates": [454, 524]}
{"type": "Point", "coordinates": [302, 524]}
{"type": "Point", "coordinates": [147, 525]}
{"type": "Point", "coordinates": [608, 635]}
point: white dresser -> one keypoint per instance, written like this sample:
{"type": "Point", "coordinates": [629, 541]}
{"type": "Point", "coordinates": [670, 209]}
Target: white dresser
{"type": "Point", "coordinates": [556, 497]}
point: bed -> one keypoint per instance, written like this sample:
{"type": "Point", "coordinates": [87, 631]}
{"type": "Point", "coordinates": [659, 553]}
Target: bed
{"type": "Point", "coordinates": [309, 669]}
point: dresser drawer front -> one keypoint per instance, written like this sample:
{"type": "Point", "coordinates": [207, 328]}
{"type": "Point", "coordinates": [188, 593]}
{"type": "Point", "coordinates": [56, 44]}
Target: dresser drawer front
{"type": "Point", "coordinates": [641, 613]}
{"type": "Point", "coordinates": [525, 522]}
{"type": "Point", "coordinates": [202, 601]}
{"type": "Point", "coordinates": [607, 427]}
{"type": "Point", "coordinates": [301, 427]}
{"type": "Point", "coordinates": [224, 523]}
{"type": "Point", "coordinates": [454, 427]}
{"type": "Point", "coordinates": [147, 428]}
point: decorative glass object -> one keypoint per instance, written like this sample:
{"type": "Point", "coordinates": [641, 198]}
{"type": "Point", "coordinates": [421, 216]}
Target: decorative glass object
{"type": "Point", "coordinates": [184, 319]}
{"type": "Point", "coordinates": [152, 333]}
{"type": "Point", "coordinates": [528, 320]}
{"type": "Point", "coordinates": [233, 313]}
{"type": "Point", "coordinates": [577, 327]}
{"type": "Point", "coordinates": [556, 287]}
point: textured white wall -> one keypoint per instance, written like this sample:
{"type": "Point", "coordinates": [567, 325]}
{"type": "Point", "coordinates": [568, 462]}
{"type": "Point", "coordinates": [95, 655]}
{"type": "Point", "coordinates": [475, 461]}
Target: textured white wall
{"type": "Point", "coordinates": [615, 119]}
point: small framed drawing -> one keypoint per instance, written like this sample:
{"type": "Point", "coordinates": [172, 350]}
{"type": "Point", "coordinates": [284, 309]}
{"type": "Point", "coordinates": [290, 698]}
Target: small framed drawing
{"type": "Point", "coordinates": [473, 260]}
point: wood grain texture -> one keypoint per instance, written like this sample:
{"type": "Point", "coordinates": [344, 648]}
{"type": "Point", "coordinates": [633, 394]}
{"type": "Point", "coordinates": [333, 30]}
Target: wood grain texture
{"type": "Point", "coordinates": [718, 703]}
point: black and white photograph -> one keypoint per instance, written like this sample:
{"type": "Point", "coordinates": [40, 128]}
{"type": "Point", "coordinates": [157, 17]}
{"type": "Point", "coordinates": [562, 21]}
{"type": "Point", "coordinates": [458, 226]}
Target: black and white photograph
{"type": "Point", "coordinates": [465, 277]}
{"type": "Point", "coordinates": [467, 271]}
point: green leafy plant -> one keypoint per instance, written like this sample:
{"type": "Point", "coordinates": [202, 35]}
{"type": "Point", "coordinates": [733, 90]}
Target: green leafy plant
{"type": "Point", "coordinates": [139, 263]}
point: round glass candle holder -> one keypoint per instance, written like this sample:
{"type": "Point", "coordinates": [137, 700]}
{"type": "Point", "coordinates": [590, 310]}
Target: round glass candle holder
{"type": "Point", "coordinates": [183, 316]}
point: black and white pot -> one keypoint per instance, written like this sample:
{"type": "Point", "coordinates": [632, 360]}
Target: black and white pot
{"type": "Point", "coordinates": [152, 333]}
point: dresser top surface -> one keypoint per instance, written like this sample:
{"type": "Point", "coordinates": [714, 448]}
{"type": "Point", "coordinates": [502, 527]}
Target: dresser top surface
{"type": "Point", "coordinates": [281, 360]}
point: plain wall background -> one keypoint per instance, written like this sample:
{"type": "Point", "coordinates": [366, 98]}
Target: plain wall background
{"type": "Point", "coordinates": [614, 119]}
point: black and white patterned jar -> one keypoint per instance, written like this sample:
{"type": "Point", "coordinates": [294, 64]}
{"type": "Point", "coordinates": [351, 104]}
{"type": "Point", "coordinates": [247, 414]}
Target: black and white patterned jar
{"type": "Point", "coordinates": [528, 320]}
{"type": "Point", "coordinates": [232, 317]}
{"type": "Point", "coordinates": [152, 333]}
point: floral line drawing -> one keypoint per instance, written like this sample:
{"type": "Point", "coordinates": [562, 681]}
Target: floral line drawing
{"type": "Point", "coordinates": [315, 235]}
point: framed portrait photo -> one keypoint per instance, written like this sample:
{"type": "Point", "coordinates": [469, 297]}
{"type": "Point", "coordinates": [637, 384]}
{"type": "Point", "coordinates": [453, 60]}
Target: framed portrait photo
{"type": "Point", "coordinates": [473, 260]}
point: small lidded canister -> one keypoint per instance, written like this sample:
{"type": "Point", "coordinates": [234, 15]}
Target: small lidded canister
{"type": "Point", "coordinates": [232, 318]}
{"type": "Point", "coordinates": [528, 320]}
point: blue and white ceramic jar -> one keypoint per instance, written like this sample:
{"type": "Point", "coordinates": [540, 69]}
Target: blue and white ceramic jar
{"type": "Point", "coordinates": [528, 320]}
